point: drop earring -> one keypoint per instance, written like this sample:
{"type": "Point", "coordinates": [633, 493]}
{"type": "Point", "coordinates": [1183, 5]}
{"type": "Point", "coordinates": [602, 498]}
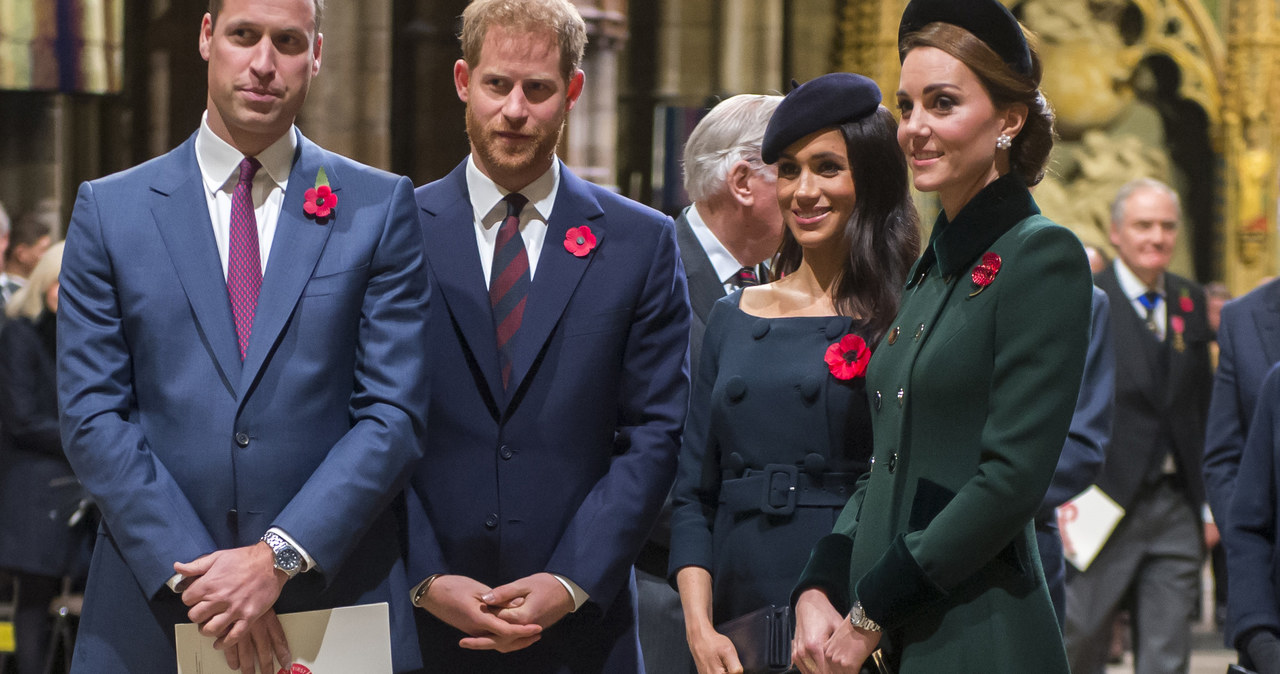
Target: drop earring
{"type": "Point", "coordinates": [1004, 142]}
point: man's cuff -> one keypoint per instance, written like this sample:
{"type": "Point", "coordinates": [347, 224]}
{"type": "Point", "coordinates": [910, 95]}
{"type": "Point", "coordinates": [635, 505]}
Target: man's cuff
{"type": "Point", "coordinates": [580, 597]}
{"type": "Point", "coordinates": [307, 562]}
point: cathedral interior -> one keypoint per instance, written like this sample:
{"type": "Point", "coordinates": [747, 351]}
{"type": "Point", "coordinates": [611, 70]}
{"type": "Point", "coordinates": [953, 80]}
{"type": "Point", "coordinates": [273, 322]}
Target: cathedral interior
{"type": "Point", "coordinates": [1181, 90]}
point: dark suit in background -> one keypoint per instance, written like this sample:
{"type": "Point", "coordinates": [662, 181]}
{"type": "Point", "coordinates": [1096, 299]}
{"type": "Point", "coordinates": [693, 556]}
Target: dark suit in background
{"type": "Point", "coordinates": [1161, 400]}
{"type": "Point", "coordinates": [1086, 446]}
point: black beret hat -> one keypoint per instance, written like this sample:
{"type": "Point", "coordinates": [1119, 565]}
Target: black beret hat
{"type": "Point", "coordinates": [822, 102]}
{"type": "Point", "coordinates": [988, 20]}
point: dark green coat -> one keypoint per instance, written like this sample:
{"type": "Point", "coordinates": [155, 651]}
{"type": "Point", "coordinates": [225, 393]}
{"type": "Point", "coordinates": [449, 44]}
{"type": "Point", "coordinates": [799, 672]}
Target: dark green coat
{"type": "Point", "coordinates": [971, 396]}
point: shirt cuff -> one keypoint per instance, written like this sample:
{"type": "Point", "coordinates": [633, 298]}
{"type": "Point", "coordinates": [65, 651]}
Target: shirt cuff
{"type": "Point", "coordinates": [1206, 514]}
{"type": "Point", "coordinates": [580, 597]}
{"type": "Point", "coordinates": [173, 582]}
{"type": "Point", "coordinates": [307, 562]}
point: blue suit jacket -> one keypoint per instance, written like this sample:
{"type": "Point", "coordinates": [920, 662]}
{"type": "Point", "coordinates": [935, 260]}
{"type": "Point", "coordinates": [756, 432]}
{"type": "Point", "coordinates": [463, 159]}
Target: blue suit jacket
{"type": "Point", "coordinates": [565, 471]}
{"type": "Point", "coordinates": [186, 449]}
{"type": "Point", "coordinates": [1252, 560]}
{"type": "Point", "coordinates": [1248, 345]}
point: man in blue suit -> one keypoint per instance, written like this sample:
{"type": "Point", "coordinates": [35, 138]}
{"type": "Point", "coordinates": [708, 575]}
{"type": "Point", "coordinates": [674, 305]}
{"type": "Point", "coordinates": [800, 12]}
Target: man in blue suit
{"type": "Point", "coordinates": [562, 334]}
{"type": "Point", "coordinates": [241, 368]}
{"type": "Point", "coordinates": [1249, 344]}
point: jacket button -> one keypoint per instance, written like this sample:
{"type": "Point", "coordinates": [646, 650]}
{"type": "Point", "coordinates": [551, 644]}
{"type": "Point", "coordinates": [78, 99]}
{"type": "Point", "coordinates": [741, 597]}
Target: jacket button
{"type": "Point", "coordinates": [893, 462]}
{"type": "Point", "coordinates": [491, 522]}
{"type": "Point", "coordinates": [242, 439]}
{"type": "Point", "coordinates": [919, 331]}
{"type": "Point", "coordinates": [877, 399]}
{"type": "Point", "coordinates": [505, 451]}
{"type": "Point", "coordinates": [901, 394]}
{"type": "Point", "coordinates": [893, 335]}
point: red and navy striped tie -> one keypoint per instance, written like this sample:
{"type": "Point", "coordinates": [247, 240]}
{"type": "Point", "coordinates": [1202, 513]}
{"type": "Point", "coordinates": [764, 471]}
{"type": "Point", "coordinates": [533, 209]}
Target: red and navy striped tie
{"type": "Point", "coordinates": [509, 282]}
{"type": "Point", "coordinates": [244, 263]}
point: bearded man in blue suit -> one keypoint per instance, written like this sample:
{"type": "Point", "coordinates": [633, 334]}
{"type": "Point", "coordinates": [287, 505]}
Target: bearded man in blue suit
{"type": "Point", "coordinates": [241, 368]}
{"type": "Point", "coordinates": [562, 334]}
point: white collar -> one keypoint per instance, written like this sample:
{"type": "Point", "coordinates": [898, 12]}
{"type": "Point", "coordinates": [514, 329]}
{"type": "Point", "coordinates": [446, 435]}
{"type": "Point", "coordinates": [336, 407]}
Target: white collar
{"type": "Point", "coordinates": [486, 196]}
{"type": "Point", "coordinates": [1132, 286]}
{"type": "Point", "coordinates": [725, 264]}
{"type": "Point", "coordinates": [220, 162]}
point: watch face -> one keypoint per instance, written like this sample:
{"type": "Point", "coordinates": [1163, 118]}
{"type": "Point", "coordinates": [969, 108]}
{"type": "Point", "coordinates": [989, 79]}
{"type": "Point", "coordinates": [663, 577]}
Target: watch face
{"type": "Point", "coordinates": [288, 559]}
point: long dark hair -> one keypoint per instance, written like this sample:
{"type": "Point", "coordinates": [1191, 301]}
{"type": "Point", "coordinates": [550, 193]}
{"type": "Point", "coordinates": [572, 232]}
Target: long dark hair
{"type": "Point", "coordinates": [882, 237]}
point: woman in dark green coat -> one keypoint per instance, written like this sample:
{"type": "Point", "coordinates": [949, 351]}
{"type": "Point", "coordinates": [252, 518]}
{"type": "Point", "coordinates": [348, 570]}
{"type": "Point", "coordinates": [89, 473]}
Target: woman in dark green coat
{"type": "Point", "coordinates": [934, 558]}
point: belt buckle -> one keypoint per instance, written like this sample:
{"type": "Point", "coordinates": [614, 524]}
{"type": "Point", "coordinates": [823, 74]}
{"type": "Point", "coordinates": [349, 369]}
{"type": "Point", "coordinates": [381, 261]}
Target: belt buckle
{"type": "Point", "coordinates": [779, 479]}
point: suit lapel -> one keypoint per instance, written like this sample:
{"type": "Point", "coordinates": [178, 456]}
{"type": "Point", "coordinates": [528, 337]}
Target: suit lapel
{"type": "Point", "coordinates": [704, 287]}
{"type": "Point", "coordinates": [178, 206]}
{"type": "Point", "coordinates": [295, 251]}
{"type": "Point", "coordinates": [1131, 358]}
{"type": "Point", "coordinates": [449, 231]}
{"type": "Point", "coordinates": [558, 273]}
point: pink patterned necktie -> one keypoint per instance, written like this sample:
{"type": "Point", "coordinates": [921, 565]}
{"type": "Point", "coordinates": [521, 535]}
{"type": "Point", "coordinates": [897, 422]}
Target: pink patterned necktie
{"type": "Point", "coordinates": [509, 282]}
{"type": "Point", "coordinates": [244, 264]}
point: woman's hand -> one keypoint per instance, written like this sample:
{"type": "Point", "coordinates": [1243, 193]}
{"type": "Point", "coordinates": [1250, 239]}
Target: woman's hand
{"type": "Point", "coordinates": [816, 621]}
{"type": "Point", "coordinates": [712, 651]}
{"type": "Point", "coordinates": [848, 648]}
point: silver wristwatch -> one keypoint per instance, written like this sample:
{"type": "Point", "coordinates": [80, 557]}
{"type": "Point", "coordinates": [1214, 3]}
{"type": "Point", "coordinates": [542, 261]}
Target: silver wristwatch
{"type": "Point", "coordinates": [287, 557]}
{"type": "Point", "coordinates": [859, 619]}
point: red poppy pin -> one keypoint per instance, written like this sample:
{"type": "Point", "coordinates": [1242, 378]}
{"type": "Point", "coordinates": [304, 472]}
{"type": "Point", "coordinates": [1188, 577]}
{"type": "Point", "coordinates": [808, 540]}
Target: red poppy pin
{"type": "Point", "coordinates": [579, 240]}
{"type": "Point", "coordinates": [320, 200]}
{"type": "Point", "coordinates": [985, 273]}
{"type": "Point", "coordinates": [847, 358]}
{"type": "Point", "coordinates": [1185, 303]}
{"type": "Point", "coordinates": [295, 668]}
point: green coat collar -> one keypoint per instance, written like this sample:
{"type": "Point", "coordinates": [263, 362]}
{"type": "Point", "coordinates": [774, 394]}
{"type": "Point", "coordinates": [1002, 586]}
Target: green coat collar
{"type": "Point", "coordinates": [954, 245]}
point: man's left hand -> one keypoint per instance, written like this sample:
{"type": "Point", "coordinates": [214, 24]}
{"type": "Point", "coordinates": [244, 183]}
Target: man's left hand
{"type": "Point", "coordinates": [231, 590]}
{"type": "Point", "coordinates": [545, 600]}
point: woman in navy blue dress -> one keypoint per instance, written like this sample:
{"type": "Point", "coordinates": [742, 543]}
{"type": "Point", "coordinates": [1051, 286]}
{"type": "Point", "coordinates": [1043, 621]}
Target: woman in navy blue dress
{"type": "Point", "coordinates": [778, 430]}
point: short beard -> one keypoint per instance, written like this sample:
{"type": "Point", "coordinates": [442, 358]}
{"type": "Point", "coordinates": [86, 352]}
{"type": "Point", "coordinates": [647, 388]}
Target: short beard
{"type": "Point", "coordinates": [501, 162]}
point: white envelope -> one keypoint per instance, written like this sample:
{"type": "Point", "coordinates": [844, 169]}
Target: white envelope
{"type": "Point", "coordinates": [333, 641]}
{"type": "Point", "coordinates": [1086, 522]}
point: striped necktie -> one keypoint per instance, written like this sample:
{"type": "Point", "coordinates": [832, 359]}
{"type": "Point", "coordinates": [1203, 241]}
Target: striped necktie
{"type": "Point", "coordinates": [244, 264]}
{"type": "Point", "coordinates": [509, 282]}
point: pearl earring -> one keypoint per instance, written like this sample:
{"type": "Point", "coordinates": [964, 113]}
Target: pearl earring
{"type": "Point", "coordinates": [1004, 142]}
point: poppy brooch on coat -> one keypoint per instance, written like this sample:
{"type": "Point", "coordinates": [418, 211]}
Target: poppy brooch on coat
{"type": "Point", "coordinates": [848, 357]}
{"type": "Point", "coordinates": [1185, 303]}
{"type": "Point", "coordinates": [985, 273]}
{"type": "Point", "coordinates": [579, 240]}
{"type": "Point", "coordinates": [320, 200]}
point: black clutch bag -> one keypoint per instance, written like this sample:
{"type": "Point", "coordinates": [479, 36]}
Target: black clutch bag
{"type": "Point", "coordinates": [762, 639]}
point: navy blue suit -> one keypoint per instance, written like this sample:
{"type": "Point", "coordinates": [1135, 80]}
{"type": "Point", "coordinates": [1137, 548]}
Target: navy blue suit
{"type": "Point", "coordinates": [1254, 513]}
{"type": "Point", "coordinates": [186, 449]}
{"type": "Point", "coordinates": [564, 471]}
{"type": "Point", "coordinates": [1083, 453]}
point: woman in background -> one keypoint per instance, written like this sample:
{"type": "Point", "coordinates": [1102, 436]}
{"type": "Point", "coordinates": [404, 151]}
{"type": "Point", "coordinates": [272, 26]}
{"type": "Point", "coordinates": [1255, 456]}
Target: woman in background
{"type": "Point", "coordinates": [38, 492]}
{"type": "Point", "coordinates": [973, 390]}
{"type": "Point", "coordinates": [771, 450]}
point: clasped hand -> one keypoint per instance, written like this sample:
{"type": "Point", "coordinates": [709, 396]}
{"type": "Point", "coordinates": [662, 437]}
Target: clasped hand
{"type": "Point", "coordinates": [505, 618]}
{"type": "Point", "coordinates": [229, 594]}
{"type": "Point", "coordinates": [825, 642]}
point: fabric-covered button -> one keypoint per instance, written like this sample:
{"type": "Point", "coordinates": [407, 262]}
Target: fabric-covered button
{"type": "Point", "coordinates": [835, 328]}
{"type": "Point", "coordinates": [760, 328]}
{"type": "Point", "coordinates": [815, 463]}
{"type": "Point", "coordinates": [810, 387]}
{"type": "Point", "coordinates": [242, 439]}
{"type": "Point", "coordinates": [893, 335]}
{"type": "Point", "coordinates": [735, 388]}
{"type": "Point", "coordinates": [735, 463]}
{"type": "Point", "coordinates": [491, 521]}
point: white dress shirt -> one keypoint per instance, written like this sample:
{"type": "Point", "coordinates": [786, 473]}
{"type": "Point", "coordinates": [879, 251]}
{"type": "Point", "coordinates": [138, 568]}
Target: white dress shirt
{"type": "Point", "coordinates": [1134, 288]}
{"type": "Point", "coordinates": [490, 210]}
